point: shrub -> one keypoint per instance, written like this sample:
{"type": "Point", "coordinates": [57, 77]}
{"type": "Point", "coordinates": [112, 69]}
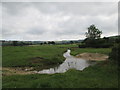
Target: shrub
{"type": "Point", "coordinates": [114, 55]}
{"type": "Point", "coordinates": [95, 43]}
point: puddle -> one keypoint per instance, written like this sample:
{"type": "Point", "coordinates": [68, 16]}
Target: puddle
{"type": "Point", "coordinates": [71, 62]}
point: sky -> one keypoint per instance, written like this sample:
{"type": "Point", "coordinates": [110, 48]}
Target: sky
{"type": "Point", "coordinates": [55, 21]}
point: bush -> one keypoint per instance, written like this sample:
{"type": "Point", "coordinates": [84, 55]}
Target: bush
{"type": "Point", "coordinates": [95, 43]}
{"type": "Point", "coordinates": [114, 55]}
{"type": "Point", "coordinates": [82, 46]}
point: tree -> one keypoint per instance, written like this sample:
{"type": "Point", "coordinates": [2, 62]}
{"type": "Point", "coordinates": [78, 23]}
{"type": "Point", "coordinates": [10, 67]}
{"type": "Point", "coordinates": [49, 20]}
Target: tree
{"type": "Point", "coordinates": [45, 42]}
{"type": "Point", "coordinates": [15, 43]}
{"type": "Point", "coordinates": [71, 42]}
{"type": "Point", "coordinates": [93, 32]}
{"type": "Point", "coordinates": [51, 42]}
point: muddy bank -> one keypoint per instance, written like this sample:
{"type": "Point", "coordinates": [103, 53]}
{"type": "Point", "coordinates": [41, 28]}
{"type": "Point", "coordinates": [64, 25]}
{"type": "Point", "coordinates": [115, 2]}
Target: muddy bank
{"type": "Point", "coordinates": [6, 71]}
{"type": "Point", "coordinates": [93, 56]}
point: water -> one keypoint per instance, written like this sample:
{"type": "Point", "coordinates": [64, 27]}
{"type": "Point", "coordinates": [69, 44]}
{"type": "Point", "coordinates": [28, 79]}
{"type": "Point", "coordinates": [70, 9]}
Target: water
{"type": "Point", "coordinates": [71, 62]}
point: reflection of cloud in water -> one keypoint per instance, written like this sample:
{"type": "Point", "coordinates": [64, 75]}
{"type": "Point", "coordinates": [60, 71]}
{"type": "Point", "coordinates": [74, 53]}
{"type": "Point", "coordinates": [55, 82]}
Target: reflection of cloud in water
{"type": "Point", "coordinates": [69, 63]}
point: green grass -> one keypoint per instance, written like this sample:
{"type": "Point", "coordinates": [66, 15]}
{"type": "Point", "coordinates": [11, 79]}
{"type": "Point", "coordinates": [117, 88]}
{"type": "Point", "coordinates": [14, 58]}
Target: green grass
{"type": "Point", "coordinates": [52, 54]}
{"type": "Point", "coordinates": [102, 75]}
{"type": "Point", "coordinates": [22, 56]}
{"type": "Point", "coordinates": [76, 51]}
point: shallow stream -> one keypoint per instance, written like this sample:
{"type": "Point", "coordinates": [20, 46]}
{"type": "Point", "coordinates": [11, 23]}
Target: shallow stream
{"type": "Point", "coordinates": [71, 62]}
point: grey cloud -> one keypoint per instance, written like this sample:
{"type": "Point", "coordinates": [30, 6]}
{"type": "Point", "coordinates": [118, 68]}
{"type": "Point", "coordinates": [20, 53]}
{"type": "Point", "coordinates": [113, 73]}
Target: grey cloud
{"type": "Point", "coordinates": [57, 20]}
{"type": "Point", "coordinates": [36, 31]}
{"type": "Point", "coordinates": [80, 8]}
{"type": "Point", "coordinates": [14, 8]}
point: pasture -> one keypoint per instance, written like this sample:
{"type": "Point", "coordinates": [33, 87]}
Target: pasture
{"type": "Point", "coordinates": [102, 75]}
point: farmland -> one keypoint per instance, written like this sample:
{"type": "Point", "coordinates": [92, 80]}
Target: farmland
{"type": "Point", "coordinates": [101, 75]}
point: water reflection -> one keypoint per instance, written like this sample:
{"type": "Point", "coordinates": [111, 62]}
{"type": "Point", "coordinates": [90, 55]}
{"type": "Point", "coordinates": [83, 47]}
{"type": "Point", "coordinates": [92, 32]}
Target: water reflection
{"type": "Point", "coordinates": [69, 63]}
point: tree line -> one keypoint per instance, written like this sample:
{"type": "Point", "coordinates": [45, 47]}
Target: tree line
{"type": "Point", "coordinates": [93, 39]}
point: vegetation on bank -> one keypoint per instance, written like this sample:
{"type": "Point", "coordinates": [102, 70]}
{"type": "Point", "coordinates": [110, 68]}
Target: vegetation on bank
{"type": "Point", "coordinates": [114, 55]}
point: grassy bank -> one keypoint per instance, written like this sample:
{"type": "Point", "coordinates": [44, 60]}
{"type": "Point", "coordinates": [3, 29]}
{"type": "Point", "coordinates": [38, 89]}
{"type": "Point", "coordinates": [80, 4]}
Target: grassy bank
{"type": "Point", "coordinates": [102, 75]}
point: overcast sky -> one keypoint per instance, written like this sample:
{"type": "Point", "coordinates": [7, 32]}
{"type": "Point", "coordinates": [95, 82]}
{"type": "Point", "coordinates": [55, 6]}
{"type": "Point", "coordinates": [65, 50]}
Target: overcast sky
{"type": "Point", "coordinates": [57, 21]}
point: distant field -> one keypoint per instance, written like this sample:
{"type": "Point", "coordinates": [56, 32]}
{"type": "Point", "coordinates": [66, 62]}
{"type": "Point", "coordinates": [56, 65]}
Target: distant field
{"type": "Point", "coordinates": [102, 75]}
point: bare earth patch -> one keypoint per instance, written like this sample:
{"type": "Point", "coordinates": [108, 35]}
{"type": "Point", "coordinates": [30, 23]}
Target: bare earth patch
{"type": "Point", "coordinates": [36, 60]}
{"type": "Point", "coordinates": [93, 56]}
{"type": "Point", "coordinates": [6, 71]}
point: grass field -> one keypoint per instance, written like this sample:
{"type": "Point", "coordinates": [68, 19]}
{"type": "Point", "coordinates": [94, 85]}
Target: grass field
{"type": "Point", "coordinates": [102, 75]}
{"type": "Point", "coordinates": [26, 55]}
{"type": "Point", "coordinates": [51, 54]}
